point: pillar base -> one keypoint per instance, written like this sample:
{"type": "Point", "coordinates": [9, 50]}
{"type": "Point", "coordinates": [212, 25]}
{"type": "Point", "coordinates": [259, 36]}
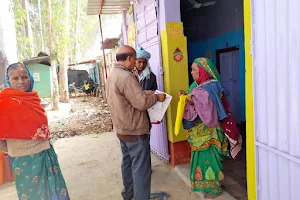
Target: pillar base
{"type": "Point", "coordinates": [180, 153]}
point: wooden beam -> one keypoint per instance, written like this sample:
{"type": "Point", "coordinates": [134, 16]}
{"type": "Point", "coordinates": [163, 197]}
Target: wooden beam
{"type": "Point", "coordinates": [101, 6]}
{"type": "Point", "coordinates": [104, 56]}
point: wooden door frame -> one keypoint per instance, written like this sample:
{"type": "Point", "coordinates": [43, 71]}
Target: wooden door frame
{"type": "Point", "coordinates": [220, 51]}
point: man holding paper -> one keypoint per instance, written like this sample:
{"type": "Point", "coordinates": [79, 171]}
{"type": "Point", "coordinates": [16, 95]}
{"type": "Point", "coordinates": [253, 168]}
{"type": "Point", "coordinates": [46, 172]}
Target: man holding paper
{"type": "Point", "coordinates": [128, 105]}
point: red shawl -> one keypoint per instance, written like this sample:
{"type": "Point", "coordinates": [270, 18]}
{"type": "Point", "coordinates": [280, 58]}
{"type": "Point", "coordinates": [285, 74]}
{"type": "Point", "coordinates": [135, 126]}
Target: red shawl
{"type": "Point", "coordinates": [231, 130]}
{"type": "Point", "coordinates": [22, 116]}
{"type": "Point", "coordinates": [203, 76]}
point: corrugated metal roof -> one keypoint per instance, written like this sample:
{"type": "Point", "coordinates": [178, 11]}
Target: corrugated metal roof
{"type": "Point", "coordinates": [109, 6]}
{"type": "Point", "coordinates": [38, 60]}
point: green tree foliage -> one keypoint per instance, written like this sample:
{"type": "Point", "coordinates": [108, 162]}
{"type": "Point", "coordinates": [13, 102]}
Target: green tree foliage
{"type": "Point", "coordinates": [88, 29]}
{"type": "Point", "coordinates": [23, 42]}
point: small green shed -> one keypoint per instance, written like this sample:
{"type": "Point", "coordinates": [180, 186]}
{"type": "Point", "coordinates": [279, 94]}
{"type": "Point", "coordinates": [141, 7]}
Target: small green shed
{"type": "Point", "coordinates": [42, 75]}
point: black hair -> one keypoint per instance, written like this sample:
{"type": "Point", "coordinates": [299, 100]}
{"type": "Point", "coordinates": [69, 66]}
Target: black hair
{"type": "Point", "coordinates": [123, 56]}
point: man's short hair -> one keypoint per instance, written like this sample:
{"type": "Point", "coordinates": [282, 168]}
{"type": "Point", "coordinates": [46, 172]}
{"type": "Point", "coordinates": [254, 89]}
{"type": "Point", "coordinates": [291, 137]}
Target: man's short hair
{"type": "Point", "coordinates": [123, 56]}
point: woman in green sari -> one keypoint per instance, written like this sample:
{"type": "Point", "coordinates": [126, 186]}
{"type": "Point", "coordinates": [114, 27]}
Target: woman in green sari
{"type": "Point", "coordinates": [203, 114]}
{"type": "Point", "coordinates": [25, 135]}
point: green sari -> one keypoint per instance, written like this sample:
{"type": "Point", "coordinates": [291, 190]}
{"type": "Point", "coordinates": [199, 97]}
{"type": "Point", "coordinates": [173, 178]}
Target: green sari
{"type": "Point", "coordinates": [38, 177]}
{"type": "Point", "coordinates": [209, 146]}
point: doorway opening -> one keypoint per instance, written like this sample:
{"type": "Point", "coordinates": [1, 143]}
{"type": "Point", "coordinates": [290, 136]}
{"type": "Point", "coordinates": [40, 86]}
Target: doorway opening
{"type": "Point", "coordinates": [227, 63]}
{"type": "Point", "coordinates": [215, 29]}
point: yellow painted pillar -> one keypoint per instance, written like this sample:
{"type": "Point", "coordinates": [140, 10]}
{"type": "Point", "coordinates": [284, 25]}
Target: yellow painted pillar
{"type": "Point", "coordinates": [251, 164]}
{"type": "Point", "coordinates": [175, 64]}
{"type": "Point", "coordinates": [131, 33]}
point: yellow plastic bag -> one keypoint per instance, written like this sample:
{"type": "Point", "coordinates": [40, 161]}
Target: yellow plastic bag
{"type": "Point", "coordinates": [180, 112]}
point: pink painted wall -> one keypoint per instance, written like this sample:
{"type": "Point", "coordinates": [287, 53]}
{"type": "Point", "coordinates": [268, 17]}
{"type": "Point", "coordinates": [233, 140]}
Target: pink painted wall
{"type": "Point", "coordinates": [169, 11]}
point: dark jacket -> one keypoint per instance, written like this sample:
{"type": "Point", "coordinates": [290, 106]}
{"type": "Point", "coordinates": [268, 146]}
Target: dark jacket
{"type": "Point", "coordinates": [149, 84]}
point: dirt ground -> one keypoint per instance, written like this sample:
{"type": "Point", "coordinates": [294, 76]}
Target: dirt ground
{"type": "Point", "coordinates": [91, 166]}
{"type": "Point", "coordinates": [80, 117]}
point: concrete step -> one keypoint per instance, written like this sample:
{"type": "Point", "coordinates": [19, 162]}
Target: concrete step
{"type": "Point", "coordinates": [184, 173]}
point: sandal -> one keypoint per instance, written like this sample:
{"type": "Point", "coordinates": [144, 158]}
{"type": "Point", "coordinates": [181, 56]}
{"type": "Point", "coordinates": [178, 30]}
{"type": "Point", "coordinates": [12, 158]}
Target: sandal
{"type": "Point", "coordinates": [159, 195]}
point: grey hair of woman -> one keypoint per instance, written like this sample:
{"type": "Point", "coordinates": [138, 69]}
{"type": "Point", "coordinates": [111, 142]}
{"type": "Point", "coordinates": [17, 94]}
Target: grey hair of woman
{"type": "Point", "coordinates": [15, 66]}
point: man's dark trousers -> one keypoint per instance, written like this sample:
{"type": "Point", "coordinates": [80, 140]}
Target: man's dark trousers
{"type": "Point", "coordinates": [136, 168]}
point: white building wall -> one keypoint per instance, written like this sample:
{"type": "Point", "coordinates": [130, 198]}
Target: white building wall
{"type": "Point", "coordinates": [276, 74]}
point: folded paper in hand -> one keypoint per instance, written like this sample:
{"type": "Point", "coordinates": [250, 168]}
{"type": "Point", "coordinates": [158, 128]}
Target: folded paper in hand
{"type": "Point", "coordinates": [158, 110]}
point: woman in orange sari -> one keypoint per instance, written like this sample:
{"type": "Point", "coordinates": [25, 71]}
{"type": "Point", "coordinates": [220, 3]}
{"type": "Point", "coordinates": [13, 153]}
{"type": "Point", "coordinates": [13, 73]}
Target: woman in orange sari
{"type": "Point", "coordinates": [25, 135]}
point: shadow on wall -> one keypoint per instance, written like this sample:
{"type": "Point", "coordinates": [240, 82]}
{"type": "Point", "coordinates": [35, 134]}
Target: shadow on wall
{"type": "Point", "coordinates": [212, 21]}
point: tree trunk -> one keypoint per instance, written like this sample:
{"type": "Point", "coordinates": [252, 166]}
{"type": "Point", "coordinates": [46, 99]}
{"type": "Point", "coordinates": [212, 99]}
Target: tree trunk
{"type": "Point", "coordinates": [63, 72]}
{"type": "Point", "coordinates": [41, 26]}
{"type": "Point", "coordinates": [77, 32]}
{"type": "Point", "coordinates": [55, 94]}
{"type": "Point", "coordinates": [28, 28]}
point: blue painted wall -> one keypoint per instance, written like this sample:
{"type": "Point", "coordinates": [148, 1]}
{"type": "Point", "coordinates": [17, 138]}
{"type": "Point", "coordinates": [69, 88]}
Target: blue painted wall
{"type": "Point", "coordinates": [93, 69]}
{"type": "Point", "coordinates": [234, 39]}
{"type": "Point", "coordinates": [210, 28]}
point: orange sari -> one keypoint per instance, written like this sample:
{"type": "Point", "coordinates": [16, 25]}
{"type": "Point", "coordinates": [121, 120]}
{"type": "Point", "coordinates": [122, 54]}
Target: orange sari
{"type": "Point", "coordinates": [22, 116]}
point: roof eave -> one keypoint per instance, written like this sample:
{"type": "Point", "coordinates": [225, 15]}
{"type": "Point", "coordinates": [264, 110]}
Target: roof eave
{"type": "Point", "coordinates": [98, 7]}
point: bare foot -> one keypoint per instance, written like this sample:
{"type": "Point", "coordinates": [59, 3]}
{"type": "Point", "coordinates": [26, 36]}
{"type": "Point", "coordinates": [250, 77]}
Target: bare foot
{"type": "Point", "coordinates": [210, 196]}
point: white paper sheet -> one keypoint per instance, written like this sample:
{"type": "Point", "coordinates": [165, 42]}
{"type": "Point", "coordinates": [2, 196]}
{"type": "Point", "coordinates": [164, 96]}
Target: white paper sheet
{"type": "Point", "coordinates": [158, 110]}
